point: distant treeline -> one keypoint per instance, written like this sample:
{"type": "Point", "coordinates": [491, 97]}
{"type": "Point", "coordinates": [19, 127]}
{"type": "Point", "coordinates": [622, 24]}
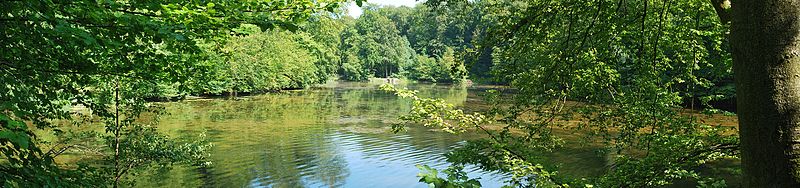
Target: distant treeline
{"type": "Point", "coordinates": [430, 44]}
{"type": "Point", "coordinates": [398, 42]}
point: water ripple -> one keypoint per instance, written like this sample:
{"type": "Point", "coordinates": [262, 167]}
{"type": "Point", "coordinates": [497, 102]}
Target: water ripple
{"type": "Point", "coordinates": [317, 138]}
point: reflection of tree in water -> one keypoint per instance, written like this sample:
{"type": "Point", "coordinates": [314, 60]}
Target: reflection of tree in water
{"type": "Point", "coordinates": [378, 105]}
{"type": "Point", "coordinates": [331, 167]}
{"type": "Point", "coordinates": [285, 139]}
{"type": "Point", "coordinates": [272, 139]}
{"type": "Point", "coordinates": [363, 110]}
{"type": "Point", "coordinates": [328, 166]}
{"type": "Point", "coordinates": [300, 158]}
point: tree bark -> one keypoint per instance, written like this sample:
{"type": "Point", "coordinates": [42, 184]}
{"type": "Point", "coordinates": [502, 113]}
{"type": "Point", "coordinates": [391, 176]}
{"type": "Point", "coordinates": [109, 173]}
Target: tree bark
{"type": "Point", "coordinates": [765, 47]}
{"type": "Point", "coordinates": [722, 8]}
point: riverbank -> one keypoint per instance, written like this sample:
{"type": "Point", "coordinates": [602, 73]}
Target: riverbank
{"type": "Point", "coordinates": [340, 131]}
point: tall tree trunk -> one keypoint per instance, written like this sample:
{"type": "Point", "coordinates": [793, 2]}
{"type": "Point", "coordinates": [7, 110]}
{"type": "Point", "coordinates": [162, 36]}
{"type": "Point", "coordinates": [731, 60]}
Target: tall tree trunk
{"type": "Point", "coordinates": [766, 61]}
{"type": "Point", "coordinates": [117, 128]}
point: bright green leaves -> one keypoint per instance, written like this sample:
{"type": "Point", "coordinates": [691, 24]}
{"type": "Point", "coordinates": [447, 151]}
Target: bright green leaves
{"type": "Point", "coordinates": [456, 177]}
{"type": "Point", "coordinates": [270, 60]}
{"type": "Point", "coordinates": [435, 113]}
{"type": "Point", "coordinates": [59, 55]}
{"type": "Point", "coordinates": [494, 154]}
{"type": "Point", "coordinates": [323, 40]}
{"type": "Point", "coordinates": [24, 164]}
{"type": "Point", "coordinates": [378, 46]}
{"type": "Point", "coordinates": [389, 41]}
{"type": "Point", "coordinates": [257, 61]}
{"type": "Point", "coordinates": [143, 148]}
{"type": "Point", "coordinates": [253, 60]}
{"type": "Point", "coordinates": [430, 176]}
{"type": "Point", "coordinates": [448, 68]}
{"type": "Point", "coordinates": [130, 141]}
{"type": "Point", "coordinates": [617, 71]}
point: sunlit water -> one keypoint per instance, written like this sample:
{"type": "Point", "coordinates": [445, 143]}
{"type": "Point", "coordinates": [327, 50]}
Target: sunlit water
{"type": "Point", "coordinates": [339, 136]}
{"type": "Point", "coordinates": [334, 136]}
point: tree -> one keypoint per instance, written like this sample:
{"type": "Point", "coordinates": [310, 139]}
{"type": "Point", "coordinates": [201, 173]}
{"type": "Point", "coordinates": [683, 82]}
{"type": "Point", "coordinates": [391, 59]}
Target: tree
{"type": "Point", "coordinates": [629, 66]}
{"type": "Point", "coordinates": [103, 55]}
{"type": "Point", "coordinates": [447, 68]}
{"type": "Point", "coordinates": [270, 60]}
{"type": "Point", "coordinates": [326, 32]}
{"type": "Point", "coordinates": [765, 63]}
{"type": "Point", "coordinates": [764, 45]}
{"type": "Point", "coordinates": [401, 16]}
{"type": "Point", "coordinates": [379, 39]}
{"type": "Point", "coordinates": [380, 49]}
{"type": "Point", "coordinates": [434, 30]}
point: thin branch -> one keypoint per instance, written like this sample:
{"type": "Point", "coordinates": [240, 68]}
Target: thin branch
{"type": "Point", "coordinates": [119, 175]}
{"type": "Point", "coordinates": [68, 72]}
{"type": "Point", "coordinates": [138, 13]}
{"type": "Point", "coordinates": [520, 156]}
{"type": "Point", "coordinates": [587, 32]}
{"type": "Point", "coordinates": [644, 19]}
{"type": "Point", "coordinates": [730, 147]}
{"type": "Point", "coordinates": [62, 150]}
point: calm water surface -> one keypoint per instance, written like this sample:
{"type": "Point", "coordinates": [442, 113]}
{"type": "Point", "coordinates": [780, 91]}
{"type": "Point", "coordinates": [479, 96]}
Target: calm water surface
{"type": "Point", "coordinates": [334, 136]}
{"type": "Point", "coordinates": [339, 136]}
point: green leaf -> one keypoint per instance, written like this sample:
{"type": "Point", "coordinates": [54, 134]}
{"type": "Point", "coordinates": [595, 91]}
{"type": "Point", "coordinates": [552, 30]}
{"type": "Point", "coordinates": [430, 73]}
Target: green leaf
{"type": "Point", "coordinates": [19, 139]}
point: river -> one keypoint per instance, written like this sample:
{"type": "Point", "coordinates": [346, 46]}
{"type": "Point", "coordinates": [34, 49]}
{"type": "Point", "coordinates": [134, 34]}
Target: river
{"type": "Point", "coordinates": [337, 135]}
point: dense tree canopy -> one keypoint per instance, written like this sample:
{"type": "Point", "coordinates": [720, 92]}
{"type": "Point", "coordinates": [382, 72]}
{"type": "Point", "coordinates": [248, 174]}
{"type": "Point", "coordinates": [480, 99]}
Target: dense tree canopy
{"type": "Point", "coordinates": [105, 55]}
{"type": "Point", "coordinates": [269, 61]}
{"type": "Point", "coordinates": [631, 67]}
{"type": "Point", "coordinates": [385, 42]}
{"type": "Point", "coordinates": [377, 43]}
{"type": "Point", "coordinates": [632, 76]}
{"type": "Point", "coordinates": [110, 57]}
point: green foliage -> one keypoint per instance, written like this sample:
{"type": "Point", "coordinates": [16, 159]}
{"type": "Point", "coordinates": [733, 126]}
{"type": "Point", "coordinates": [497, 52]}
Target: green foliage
{"type": "Point", "coordinates": [25, 164]}
{"type": "Point", "coordinates": [425, 69]}
{"type": "Point", "coordinates": [380, 44]}
{"type": "Point", "coordinates": [324, 42]}
{"type": "Point", "coordinates": [373, 47]}
{"type": "Point", "coordinates": [435, 113]}
{"type": "Point", "coordinates": [711, 183]}
{"type": "Point", "coordinates": [132, 143]}
{"type": "Point", "coordinates": [629, 80]}
{"type": "Point", "coordinates": [448, 68]}
{"type": "Point", "coordinates": [456, 177]}
{"type": "Point", "coordinates": [147, 148]}
{"type": "Point", "coordinates": [264, 61]}
{"type": "Point", "coordinates": [436, 29]}
{"type": "Point", "coordinates": [56, 56]}
{"type": "Point", "coordinates": [259, 61]}
{"type": "Point", "coordinates": [631, 65]}
{"type": "Point", "coordinates": [493, 154]}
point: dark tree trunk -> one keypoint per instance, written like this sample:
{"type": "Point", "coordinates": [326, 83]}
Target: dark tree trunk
{"type": "Point", "coordinates": [764, 38]}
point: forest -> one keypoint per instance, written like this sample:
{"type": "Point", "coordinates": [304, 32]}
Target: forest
{"type": "Point", "coordinates": [511, 93]}
{"type": "Point", "coordinates": [386, 42]}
